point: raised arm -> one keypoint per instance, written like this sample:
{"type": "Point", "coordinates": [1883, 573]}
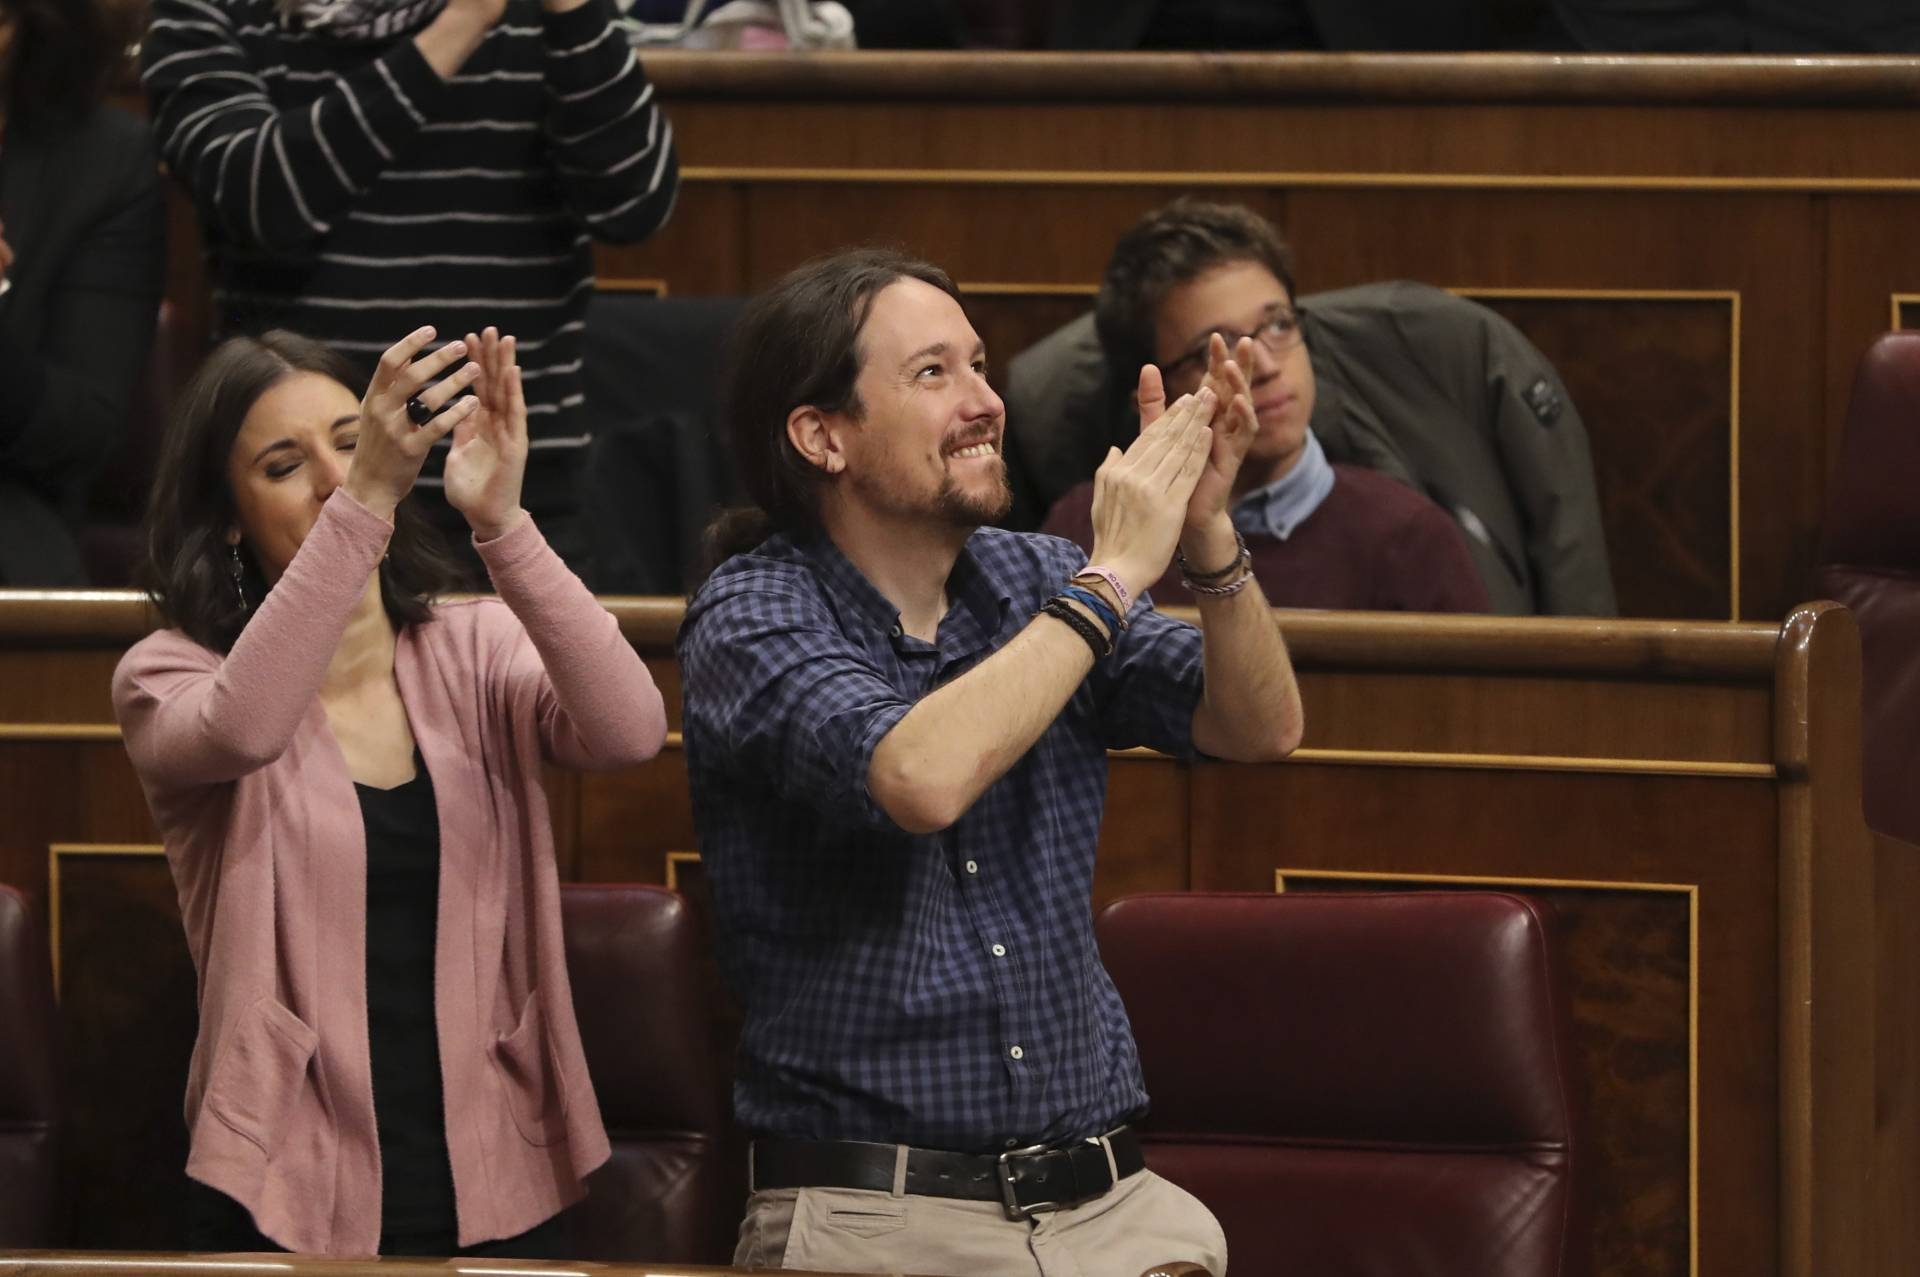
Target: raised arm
{"type": "Point", "coordinates": [596, 704]}
{"type": "Point", "coordinates": [612, 145]}
{"type": "Point", "coordinates": [279, 179]}
{"type": "Point", "coordinates": [1250, 707]}
{"type": "Point", "coordinates": [964, 736]}
{"type": "Point", "coordinates": [190, 718]}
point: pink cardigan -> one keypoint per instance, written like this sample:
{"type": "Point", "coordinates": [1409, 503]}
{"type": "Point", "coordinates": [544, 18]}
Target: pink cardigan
{"type": "Point", "coordinates": [264, 837]}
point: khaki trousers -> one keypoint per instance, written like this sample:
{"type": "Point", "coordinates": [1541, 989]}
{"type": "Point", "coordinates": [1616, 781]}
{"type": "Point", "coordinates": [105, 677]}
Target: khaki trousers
{"type": "Point", "coordinates": [1142, 1221]}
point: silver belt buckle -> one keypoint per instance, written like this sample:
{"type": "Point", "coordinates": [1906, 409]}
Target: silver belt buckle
{"type": "Point", "coordinates": [1015, 1211]}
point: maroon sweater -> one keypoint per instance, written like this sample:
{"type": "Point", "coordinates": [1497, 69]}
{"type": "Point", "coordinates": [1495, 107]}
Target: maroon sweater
{"type": "Point", "coordinates": [1373, 545]}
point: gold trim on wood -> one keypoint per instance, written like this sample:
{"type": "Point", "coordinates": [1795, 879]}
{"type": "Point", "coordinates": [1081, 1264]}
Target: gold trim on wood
{"type": "Point", "coordinates": [1310, 180]}
{"type": "Point", "coordinates": [625, 284]}
{"type": "Point", "coordinates": [1732, 298]}
{"type": "Point", "coordinates": [998, 289]}
{"type": "Point", "coordinates": [674, 860]}
{"type": "Point", "coordinates": [58, 731]}
{"type": "Point", "coordinates": [1534, 763]}
{"type": "Point", "coordinates": [143, 850]}
{"type": "Point", "coordinates": [1894, 322]}
{"type": "Point", "coordinates": [1692, 893]}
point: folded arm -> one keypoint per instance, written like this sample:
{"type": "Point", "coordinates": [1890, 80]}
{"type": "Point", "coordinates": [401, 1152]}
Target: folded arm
{"type": "Point", "coordinates": [267, 177]}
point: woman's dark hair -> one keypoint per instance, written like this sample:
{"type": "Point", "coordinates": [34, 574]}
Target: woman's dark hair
{"type": "Point", "coordinates": [187, 569]}
{"type": "Point", "coordinates": [1169, 247]}
{"type": "Point", "coordinates": [63, 57]}
{"type": "Point", "coordinates": [798, 344]}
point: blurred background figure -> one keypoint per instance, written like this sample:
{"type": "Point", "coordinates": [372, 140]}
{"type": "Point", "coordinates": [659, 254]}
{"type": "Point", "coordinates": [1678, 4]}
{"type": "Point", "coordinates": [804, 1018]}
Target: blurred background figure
{"type": "Point", "coordinates": [367, 166]}
{"type": "Point", "coordinates": [80, 273]}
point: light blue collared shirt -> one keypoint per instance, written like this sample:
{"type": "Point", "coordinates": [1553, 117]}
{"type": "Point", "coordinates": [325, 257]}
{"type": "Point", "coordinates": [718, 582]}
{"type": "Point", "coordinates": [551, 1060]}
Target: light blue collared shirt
{"type": "Point", "coordinates": [1283, 505]}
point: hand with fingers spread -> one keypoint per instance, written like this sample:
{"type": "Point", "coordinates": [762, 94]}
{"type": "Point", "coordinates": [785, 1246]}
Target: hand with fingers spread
{"type": "Point", "coordinates": [1234, 426]}
{"type": "Point", "coordinates": [1140, 497]}
{"type": "Point", "coordinates": [489, 456]}
{"type": "Point", "coordinates": [392, 447]}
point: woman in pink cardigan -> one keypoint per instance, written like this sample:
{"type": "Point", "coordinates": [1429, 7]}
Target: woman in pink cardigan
{"type": "Point", "coordinates": [346, 772]}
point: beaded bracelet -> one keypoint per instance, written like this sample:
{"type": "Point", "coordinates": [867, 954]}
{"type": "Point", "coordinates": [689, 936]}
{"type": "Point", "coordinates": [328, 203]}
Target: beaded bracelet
{"type": "Point", "coordinates": [1101, 609]}
{"type": "Point", "coordinates": [1060, 610]}
{"type": "Point", "coordinates": [1113, 583]}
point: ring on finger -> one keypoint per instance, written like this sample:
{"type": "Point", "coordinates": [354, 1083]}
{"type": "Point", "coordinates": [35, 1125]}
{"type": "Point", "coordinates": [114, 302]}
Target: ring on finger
{"type": "Point", "coordinates": [418, 412]}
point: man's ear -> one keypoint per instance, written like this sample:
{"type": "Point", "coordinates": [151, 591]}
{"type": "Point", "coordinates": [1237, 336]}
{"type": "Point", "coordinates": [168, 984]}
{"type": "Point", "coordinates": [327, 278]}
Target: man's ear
{"type": "Point", "coordinates": [813, 436]}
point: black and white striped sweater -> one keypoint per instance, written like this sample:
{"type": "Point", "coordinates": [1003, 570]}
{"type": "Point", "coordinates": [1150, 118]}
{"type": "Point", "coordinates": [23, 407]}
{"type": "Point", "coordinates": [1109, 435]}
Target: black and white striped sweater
{"type": "Point", "coordinates": [350, 194]}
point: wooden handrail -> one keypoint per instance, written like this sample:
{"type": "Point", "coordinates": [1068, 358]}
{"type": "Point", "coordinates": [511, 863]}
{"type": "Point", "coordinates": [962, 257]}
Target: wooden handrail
{"type": "Point", "coordinates": [1381, 640]}
{"type": "Point", "coordinates": [1257, 77]}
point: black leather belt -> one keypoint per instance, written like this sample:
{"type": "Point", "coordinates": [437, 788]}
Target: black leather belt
{"type": "Point", "coordinates": [1025, 1181]}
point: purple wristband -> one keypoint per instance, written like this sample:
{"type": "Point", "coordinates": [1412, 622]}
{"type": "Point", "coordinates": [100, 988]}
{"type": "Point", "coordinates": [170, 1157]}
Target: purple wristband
{"type": "Point", "coordinates": [1113, 581]}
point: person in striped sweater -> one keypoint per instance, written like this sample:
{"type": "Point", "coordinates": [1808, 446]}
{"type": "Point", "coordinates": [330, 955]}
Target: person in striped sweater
{"type": "Point", "coordinates": [364, 167]}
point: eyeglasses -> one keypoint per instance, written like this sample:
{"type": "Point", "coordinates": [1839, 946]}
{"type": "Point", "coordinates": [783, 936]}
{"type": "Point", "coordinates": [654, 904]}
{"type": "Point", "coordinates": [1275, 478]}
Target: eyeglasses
{"type": "Point", "coordinates": [1279, 332]}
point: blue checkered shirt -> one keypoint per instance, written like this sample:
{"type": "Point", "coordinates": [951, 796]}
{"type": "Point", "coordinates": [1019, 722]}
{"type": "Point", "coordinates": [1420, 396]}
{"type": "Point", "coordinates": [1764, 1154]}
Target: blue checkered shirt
{"type": "Point", "coordinates": [940, 990]}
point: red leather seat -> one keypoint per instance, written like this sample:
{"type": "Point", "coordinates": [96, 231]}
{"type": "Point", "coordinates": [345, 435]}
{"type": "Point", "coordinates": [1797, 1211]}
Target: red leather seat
{"type": "Point", "coordinates": [637, 961]}
{"type": "Point", "coordinates": [29, 1103]}
{"type": "Point", "coordinates": [1358, 1085]}
{"type": "Point", "coordinates": [1870, 561]}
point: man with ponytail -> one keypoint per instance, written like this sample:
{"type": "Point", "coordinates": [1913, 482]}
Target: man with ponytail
{"type": "Point", "coordinates": [896, 724]}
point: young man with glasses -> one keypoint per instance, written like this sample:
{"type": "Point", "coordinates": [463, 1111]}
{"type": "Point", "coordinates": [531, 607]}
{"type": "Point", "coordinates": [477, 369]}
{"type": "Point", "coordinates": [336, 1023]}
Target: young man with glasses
{"type": "Point", "coordinates": [1320, 534]}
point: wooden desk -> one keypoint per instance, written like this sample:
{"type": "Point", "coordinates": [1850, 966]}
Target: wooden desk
{"type": "Point", "coordinates": [50, 1263]}
{"type": "Point", "coordinates": [1688, 795]}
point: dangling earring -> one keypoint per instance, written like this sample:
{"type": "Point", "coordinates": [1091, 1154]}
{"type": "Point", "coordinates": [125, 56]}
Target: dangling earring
{"type": "Point", "coordinates": [237, 569]}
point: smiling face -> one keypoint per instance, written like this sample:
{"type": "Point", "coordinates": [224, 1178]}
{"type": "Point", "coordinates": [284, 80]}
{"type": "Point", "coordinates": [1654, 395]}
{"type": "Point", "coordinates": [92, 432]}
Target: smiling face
{"type": "Point", "coordinates": [928, 441]}
{"type": "Point", "coordinates": [292, 451]}
{"type": "Point", "coordinates": [1236, 298]}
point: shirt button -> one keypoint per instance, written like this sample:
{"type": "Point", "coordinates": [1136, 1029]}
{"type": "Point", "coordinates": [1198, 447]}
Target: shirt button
{"type": "Point", "coordinates": [896, 631]}
{"type": "Point", "coordinates": [1017, 1053]}
{"type": "Point", "coordinates": [999, 951]}
{"type": "Point", "coordinates": [973, 866]}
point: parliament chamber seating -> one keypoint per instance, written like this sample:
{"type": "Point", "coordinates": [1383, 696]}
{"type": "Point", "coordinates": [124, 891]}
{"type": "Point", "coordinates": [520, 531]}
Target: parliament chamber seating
{"type": "Point", "coordinates": [29, 1099]}
{"type": "Point", "coordinates": [635, 955]}
{"type": "Point", "coordinates": [1367, 1085]}
{"type": "Point", "coordinates": [1870, 561]}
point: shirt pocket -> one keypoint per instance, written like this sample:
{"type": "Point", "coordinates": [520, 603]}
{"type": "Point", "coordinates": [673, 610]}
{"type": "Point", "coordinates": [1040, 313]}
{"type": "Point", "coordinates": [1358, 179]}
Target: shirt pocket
{"type": "Point", "coordinates": [261, 1069]}
{"type": "Point", "coordinates": [536, 1092]}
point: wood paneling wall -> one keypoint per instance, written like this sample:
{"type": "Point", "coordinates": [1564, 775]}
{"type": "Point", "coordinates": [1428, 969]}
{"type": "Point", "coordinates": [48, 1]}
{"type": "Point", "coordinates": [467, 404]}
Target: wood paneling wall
{"type": "Point", "coordinates": [1710, 242]}
{"type": "Point", "coordinates": [1776, 198]}
{"type": "Point", "coordinates": [1687, 794]}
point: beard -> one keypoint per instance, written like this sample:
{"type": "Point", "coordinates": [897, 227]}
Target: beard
{"type": "Point", "coordinates": [951, 504]}
{"type": "Point", "coordinates": [965, 509]}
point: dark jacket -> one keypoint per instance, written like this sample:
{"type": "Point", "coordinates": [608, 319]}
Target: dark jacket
{"type": "Point", "coordinates": [81, 207]}
{"type": "Point", "coordinates": [1435, 390]}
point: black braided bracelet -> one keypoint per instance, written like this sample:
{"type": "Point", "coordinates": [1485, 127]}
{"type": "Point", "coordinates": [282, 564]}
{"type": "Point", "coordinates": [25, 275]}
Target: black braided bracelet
{"type": "Point", "coordinates": [1061, 610]}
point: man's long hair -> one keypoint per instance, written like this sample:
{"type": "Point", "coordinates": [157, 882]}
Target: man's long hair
{"type": "Point", "coordinates": [798, 345]}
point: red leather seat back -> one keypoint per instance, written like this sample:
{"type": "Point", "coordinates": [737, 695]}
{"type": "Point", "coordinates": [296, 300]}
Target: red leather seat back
{"type": "Point", "coordinates": [1358, 1084]}
{"type": "Point", "coordinates": [29, 1102]}
{"type": "Point", "coordinates": [1870, 561]}
{"type": "Point", "coordinates": [637, 962]}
